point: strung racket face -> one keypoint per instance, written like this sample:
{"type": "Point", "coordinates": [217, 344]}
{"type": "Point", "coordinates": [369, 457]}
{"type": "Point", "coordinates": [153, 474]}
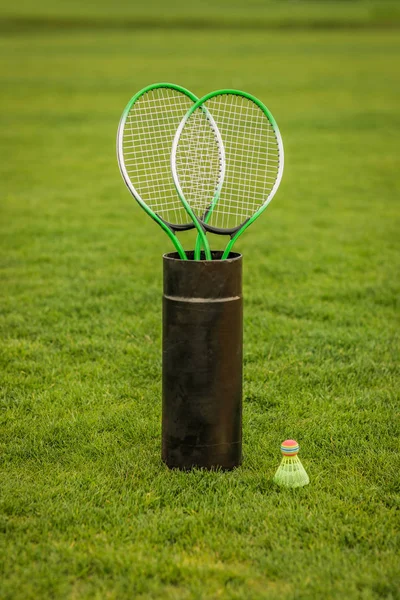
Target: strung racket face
{"type": "Point", "coordinates": [144, 141]}
{"type": "Point", "coordinates": [253, 160]}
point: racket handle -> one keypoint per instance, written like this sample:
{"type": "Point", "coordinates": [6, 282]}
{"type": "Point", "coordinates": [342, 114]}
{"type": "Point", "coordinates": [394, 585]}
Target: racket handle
{"type": "Point", "coordinates": [202, 362]}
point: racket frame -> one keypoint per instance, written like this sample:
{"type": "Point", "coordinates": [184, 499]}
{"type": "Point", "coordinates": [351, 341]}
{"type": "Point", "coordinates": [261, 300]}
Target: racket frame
{"type": "Point", "coordinates": [169, 228]}
{"type": "Point", "coordinates": [235, 232]}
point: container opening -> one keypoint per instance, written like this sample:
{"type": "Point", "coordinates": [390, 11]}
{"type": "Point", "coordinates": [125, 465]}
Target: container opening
{"type": "Point", "coordinates": [216, 255]}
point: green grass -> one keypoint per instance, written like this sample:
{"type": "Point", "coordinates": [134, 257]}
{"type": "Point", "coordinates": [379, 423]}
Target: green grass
{"type": "Point", "coordinates": [87, 508]}
{"type": "Point", "coordinates": [261, 14]}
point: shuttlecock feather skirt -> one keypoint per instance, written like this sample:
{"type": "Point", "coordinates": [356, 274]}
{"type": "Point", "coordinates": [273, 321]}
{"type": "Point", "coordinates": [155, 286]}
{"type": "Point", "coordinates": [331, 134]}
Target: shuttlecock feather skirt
{"type": "Point", "coordinates": [291, 473]}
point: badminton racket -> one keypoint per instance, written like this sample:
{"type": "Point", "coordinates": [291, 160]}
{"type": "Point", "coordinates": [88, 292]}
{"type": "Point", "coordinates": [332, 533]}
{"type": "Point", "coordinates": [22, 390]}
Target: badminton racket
{"type": "Point", "coordinates": [144, 140]}
{"type": "Point", "coordinates": [228, 195]}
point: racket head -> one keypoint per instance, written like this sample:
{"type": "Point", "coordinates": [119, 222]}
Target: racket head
{"type": "Point", "coordinates": [144, 139]}
{"type": "Point", "coordinates": [253, 155]}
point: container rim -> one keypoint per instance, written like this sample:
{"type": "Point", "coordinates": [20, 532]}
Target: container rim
{"type": "Point", "coordinates": [216, 254]}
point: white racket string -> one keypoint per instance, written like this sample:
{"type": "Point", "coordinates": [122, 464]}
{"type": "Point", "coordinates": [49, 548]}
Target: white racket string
{"type": "Point", "coordinates": [252, 157]}
{"type": "Point", "coordinates": [201, 167]}
{"type": "Point", "coordinates": [148, 134]}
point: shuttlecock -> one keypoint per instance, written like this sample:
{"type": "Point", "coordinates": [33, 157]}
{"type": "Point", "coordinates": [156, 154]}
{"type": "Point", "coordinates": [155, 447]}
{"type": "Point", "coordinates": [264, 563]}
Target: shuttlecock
{"type": "Point", "coordinates": [291, 472]}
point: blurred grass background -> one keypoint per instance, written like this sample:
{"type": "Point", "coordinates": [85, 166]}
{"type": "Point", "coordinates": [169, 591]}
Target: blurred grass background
{"type": "Point", "coordinates": [205, 13]}
{"type": "Point", "coordinates": [87, 510]}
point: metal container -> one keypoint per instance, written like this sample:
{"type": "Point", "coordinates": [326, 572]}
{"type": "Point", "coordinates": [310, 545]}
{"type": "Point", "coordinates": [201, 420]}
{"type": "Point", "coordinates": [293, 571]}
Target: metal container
{"type": "Point", "coordinates": [202, 362]}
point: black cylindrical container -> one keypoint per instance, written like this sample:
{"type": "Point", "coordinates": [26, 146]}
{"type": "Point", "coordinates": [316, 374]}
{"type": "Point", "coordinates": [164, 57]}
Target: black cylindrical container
{"type": "Point", "coordinates": [202, 362]}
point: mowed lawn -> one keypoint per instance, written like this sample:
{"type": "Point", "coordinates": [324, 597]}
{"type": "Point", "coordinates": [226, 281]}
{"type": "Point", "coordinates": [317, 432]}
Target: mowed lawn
{"type": "Point", "coordinates": [87, 508]}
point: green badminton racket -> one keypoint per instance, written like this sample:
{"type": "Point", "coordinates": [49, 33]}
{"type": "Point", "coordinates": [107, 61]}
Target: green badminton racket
{"type": "Point", "coordinates": [228, 195]}
{"type": "Point", "coordinates": [144, 140]}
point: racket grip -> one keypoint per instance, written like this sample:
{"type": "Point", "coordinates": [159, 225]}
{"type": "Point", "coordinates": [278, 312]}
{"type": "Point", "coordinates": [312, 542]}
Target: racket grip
{"type": "Point", "coordinates": [202, 362]}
